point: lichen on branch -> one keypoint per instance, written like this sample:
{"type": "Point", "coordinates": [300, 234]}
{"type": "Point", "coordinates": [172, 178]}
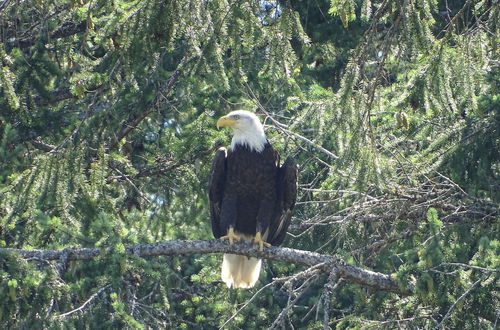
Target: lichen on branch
{"type": "Point", "coordinates": [184, 247]}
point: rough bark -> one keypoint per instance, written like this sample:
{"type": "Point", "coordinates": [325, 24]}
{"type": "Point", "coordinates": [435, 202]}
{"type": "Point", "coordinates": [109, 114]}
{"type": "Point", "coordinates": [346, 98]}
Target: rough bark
{"type": "Point", "coordinates": [179, 247]}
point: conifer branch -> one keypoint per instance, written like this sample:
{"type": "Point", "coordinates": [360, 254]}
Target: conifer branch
{"type": "Point", "coordinates": [325, 263]}
{"type": "Point", "coordinates": [59, 94]}
{"type": "Point", "coordinates": [155, 104]}
{"type": "Point", "coordinates": [65, 30]}
{"type": "Point", "coordinates": [284, 128]}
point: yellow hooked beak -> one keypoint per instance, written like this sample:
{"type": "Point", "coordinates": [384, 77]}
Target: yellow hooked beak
{"type": "Point", "coordinates": [225, 121]}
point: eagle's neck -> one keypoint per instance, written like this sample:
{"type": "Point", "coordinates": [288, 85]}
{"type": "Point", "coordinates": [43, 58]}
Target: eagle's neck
{"type": "Point", "coordinates": [254, 138]}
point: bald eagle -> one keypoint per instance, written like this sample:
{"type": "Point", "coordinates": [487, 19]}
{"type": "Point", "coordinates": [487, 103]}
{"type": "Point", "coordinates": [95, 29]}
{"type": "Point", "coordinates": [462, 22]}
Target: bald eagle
{"type": "Point", "coordinates": [251, 195]}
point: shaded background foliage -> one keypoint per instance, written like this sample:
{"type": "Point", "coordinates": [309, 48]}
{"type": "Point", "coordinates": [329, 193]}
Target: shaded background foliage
{"type": "Point", "coordinates": [107, 132]}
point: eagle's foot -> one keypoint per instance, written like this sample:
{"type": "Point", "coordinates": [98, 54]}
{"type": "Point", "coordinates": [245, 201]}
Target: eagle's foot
{"type": "Point", "coordinates": [231, 236]}
{"type": "Point", "coordinates": [258, 239]}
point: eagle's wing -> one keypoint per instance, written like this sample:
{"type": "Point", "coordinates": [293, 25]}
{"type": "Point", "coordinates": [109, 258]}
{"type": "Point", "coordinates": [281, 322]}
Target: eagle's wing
{"type": "Point", "coordinates": [216, 189]}
{"type": "Point", "coordinates": [287, 195]}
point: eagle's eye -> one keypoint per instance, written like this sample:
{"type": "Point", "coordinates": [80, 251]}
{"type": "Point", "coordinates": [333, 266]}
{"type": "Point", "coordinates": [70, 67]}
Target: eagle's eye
{"type": "Point", "coordinates": [236, 117]}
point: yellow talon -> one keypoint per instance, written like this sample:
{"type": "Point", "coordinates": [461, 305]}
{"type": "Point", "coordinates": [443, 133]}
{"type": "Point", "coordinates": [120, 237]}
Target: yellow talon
{"type": "Point", "coordinates": [258, 240]}
{"type": "Point", "coordinates": [231, 236]}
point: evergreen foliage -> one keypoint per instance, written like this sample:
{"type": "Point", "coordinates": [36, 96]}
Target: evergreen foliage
{"type": "Point", "coordinates": [107, 130]}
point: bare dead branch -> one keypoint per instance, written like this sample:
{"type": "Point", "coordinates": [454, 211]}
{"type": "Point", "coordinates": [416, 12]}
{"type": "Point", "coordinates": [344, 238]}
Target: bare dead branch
{"type": "Point", "coordinates": [456, 264]}
{"type": "Point", "coordinates": [294, 296]}
{"type": "Point", "coordinates": [42, 145]}
{"type": "Point", "coordinates": [309, 142]}
{"type": "Point", "coordinates": [284, 128]}
{"type": "Point", "coordinates": [86, 303]}
{"type": "Point", "coordinates": [246, 304]}
{"type": "Point", "coordinates": [345, 270]}
{"type": "Point", "coordinates": [456, 302]}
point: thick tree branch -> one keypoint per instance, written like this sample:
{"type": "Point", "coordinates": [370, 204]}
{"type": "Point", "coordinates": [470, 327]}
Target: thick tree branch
{"type": "Point", "coordinates": [67, 29]}
{"type": "Point", "coordinates": [42, 145]}
{"type": "Point", "coordinates": [178, 247]}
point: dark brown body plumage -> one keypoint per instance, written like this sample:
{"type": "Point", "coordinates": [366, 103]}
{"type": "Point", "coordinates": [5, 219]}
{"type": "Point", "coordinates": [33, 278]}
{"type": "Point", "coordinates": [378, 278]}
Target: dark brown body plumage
{"type": "Point", "coordinates": [251, 192]}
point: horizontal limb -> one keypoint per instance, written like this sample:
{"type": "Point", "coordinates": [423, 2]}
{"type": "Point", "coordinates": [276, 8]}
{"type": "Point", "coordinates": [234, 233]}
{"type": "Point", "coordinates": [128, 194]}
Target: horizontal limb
{"type": "Point", "coordinates": [181, 247]}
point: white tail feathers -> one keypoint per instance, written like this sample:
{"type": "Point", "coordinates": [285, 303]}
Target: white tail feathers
{"type": "Point", "coordinates": [240, 271]}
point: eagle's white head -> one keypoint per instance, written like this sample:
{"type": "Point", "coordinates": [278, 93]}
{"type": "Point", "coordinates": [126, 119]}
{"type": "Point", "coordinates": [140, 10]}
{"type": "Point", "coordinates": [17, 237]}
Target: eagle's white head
{"type": "Point", "coordinates": [247, 129]}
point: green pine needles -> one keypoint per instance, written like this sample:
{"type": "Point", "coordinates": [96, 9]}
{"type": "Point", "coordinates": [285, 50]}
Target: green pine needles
{"type": "Point", "coordinates": [107, 131]}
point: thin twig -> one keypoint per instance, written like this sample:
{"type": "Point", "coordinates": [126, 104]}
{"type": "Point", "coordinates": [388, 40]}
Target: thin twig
{"type": "Point", "coordinates": [82, 307]}
{"type": "Point", "coordinates": [247, 303]}
{"type": "Point", "coordinates": [298, 294]}
{"type": "Point", "coordinates": [448, 314]}
{"type": "Point", "coordinates": [482, 269]}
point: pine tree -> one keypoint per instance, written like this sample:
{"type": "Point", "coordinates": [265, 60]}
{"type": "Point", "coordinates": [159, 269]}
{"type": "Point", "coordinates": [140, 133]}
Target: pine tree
{"type": "Point", "coordinates": [107, 133]}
